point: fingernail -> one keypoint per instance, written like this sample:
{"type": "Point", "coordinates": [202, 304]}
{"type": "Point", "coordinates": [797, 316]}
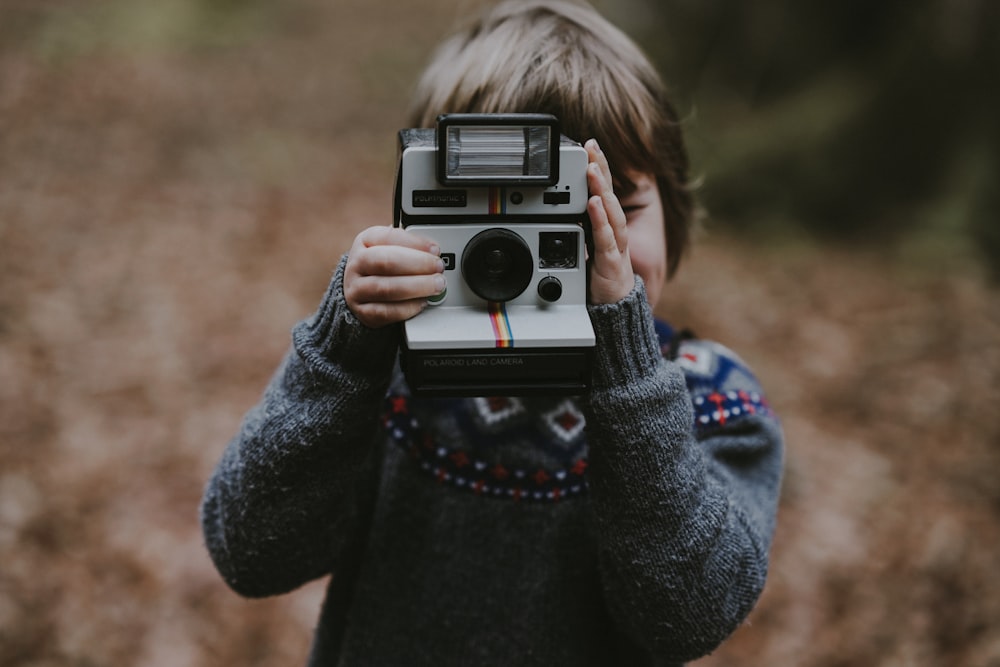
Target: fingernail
{"type": "Point", "coordinates": [439, 283]}
{"type": "Point", "coordinates": [435, 249]}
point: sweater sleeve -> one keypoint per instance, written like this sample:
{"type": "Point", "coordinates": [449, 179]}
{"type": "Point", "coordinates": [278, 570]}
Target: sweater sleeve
{"type": "Point", "coordinates": [286, 501]}
{"type": "Point", "coordinates": [684, 517]}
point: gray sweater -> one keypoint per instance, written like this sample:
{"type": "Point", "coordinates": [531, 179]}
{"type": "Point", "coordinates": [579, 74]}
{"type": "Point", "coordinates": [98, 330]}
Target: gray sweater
{"type": "Point", "coordinates": [501, 531]}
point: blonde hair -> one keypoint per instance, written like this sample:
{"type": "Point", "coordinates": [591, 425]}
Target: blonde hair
{"type": "Point", "coordinates": [564, 58]}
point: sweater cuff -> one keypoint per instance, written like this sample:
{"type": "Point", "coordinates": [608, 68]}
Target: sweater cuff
{"type": "Point", "coordinates": [628, 348]}
{"type": "Point", "coordinates": [333, 335]}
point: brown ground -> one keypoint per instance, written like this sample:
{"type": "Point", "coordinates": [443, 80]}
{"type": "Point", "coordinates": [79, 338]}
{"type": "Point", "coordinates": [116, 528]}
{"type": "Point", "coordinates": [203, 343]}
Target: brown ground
{"type": "Point", "coordinates": [167, 213]}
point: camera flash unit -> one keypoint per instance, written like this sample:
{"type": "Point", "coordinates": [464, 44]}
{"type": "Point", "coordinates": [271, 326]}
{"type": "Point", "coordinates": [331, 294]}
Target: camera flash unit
{"type": "Point", "coordinates": [498, 149]}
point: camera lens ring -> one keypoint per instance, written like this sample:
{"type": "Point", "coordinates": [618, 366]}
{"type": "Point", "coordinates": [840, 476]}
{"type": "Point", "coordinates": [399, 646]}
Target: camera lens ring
{"type": "Point", "coordinates": [497, 265]}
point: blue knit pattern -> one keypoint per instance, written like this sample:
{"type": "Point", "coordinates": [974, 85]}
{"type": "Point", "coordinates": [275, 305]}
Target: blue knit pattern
{"type": "Point", "coordinates": [553, 432]}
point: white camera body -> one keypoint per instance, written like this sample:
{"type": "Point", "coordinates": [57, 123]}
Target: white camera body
{"type": "Point", "coordinates": [513, 318]}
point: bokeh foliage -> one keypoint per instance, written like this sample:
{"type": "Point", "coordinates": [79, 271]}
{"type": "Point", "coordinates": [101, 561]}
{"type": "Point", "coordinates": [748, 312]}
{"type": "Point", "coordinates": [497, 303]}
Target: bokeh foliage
{"type": "Point", "coordinates": [850, 120]}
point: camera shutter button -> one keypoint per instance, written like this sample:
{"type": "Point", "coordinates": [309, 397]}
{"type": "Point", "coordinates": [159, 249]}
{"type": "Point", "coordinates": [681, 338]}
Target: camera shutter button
{"type": "Point", "coordinates": [549, 288]}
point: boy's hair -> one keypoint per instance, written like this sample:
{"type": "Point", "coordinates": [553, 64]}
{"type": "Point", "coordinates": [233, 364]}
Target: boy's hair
{"type": "Point", "coordinates": [564, 58]}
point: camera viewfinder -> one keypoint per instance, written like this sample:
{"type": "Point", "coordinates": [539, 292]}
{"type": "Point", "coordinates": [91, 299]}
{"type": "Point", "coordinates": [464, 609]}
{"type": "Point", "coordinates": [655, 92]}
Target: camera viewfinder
{"type": "Point", "coordinates": [557, 250]}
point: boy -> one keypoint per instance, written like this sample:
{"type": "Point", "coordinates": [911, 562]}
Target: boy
{"type": "Point", "coordinates": [630, 525]}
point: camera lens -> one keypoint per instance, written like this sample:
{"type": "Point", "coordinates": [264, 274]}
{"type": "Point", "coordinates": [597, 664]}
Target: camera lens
{"type": "Point", "coordinates": [497, 265]}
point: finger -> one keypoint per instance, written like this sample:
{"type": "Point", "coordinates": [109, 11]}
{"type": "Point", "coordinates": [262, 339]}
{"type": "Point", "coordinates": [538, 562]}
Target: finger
{"type": "Point", "coordinates": [394, 236]}
{"type": "Point", "coordinates": [394, 260]}
{"type": "Point", "coordinates": [608, 260]}
{"type": "Point", "coordinates": [596, 156]}
{"type": "Point", "coordinates": [599, 183]}
{"type": "Point", "coordinates": [612, 213]}
{"type": "Point", "coordinates": [394, 289]}
{"type": "Point", "coordinates": [600, 228]}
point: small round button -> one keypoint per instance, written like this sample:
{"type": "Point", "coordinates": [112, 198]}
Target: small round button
{"type": "Point", "coordinates": [550, 289]}
{"type": "Point", "coordinates": [437, 298]}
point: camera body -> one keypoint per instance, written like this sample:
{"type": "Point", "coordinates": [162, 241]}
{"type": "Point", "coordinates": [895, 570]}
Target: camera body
{"type": "Point", "coordinates": [505, 197]}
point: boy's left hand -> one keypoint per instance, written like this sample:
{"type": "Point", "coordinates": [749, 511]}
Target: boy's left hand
{"type": "Point", "coordinates": [611, 276]}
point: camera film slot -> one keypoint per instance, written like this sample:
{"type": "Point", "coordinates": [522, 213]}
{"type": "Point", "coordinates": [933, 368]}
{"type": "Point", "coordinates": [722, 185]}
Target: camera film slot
{"type": "Point", "coordinates": [497, 372]}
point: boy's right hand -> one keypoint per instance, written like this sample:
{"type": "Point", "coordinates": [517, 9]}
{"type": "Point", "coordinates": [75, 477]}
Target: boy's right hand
{"type": "Point", "coordinates": [389, 275]}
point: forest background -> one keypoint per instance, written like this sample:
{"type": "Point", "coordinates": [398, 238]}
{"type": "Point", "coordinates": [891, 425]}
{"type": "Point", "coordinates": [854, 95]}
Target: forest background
{"type": "Point", "coordinates": [178, 179]}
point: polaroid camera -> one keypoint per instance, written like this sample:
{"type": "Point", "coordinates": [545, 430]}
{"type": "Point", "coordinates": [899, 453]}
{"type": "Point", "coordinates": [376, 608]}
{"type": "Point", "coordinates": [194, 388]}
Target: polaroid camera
{"type": "Point", "coordinates": [505, 197]}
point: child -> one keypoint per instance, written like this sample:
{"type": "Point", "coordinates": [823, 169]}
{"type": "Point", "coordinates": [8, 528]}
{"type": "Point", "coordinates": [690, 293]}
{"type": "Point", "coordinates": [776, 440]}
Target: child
{"type": "Point", "coordinates": [627, 526]}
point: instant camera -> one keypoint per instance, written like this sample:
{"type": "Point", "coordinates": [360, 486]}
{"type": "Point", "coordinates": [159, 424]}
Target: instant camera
{"type": "Point", "coordinates": [505, 197]}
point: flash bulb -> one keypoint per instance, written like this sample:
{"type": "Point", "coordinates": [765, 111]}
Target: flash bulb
{"type": "Point", "coordinates": [498, 149]}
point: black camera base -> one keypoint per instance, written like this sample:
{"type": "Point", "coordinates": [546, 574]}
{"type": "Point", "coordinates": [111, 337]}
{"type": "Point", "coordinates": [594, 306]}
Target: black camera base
{"type": "Point", "coordinates": [497, 372]}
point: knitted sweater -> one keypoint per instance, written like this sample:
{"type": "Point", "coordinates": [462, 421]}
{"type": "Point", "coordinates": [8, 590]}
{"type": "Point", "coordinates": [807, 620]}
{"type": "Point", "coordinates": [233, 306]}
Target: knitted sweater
{"type": "Point", "coordinates": [628, 526]}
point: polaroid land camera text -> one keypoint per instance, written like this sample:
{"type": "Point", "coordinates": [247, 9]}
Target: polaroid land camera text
{"type": "Point", "coordinates": [505, 197]}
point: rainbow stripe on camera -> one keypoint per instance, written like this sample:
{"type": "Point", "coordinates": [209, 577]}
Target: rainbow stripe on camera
{"type": "Point", "coordinates": [497, 201]}
{"type": "Point", "coordinates": [501, 325]}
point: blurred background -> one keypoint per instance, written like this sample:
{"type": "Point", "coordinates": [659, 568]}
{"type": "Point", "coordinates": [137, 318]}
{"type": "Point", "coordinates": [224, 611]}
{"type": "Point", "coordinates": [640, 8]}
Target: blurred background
{"type": "Point", "coordinates": [178, 180]}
